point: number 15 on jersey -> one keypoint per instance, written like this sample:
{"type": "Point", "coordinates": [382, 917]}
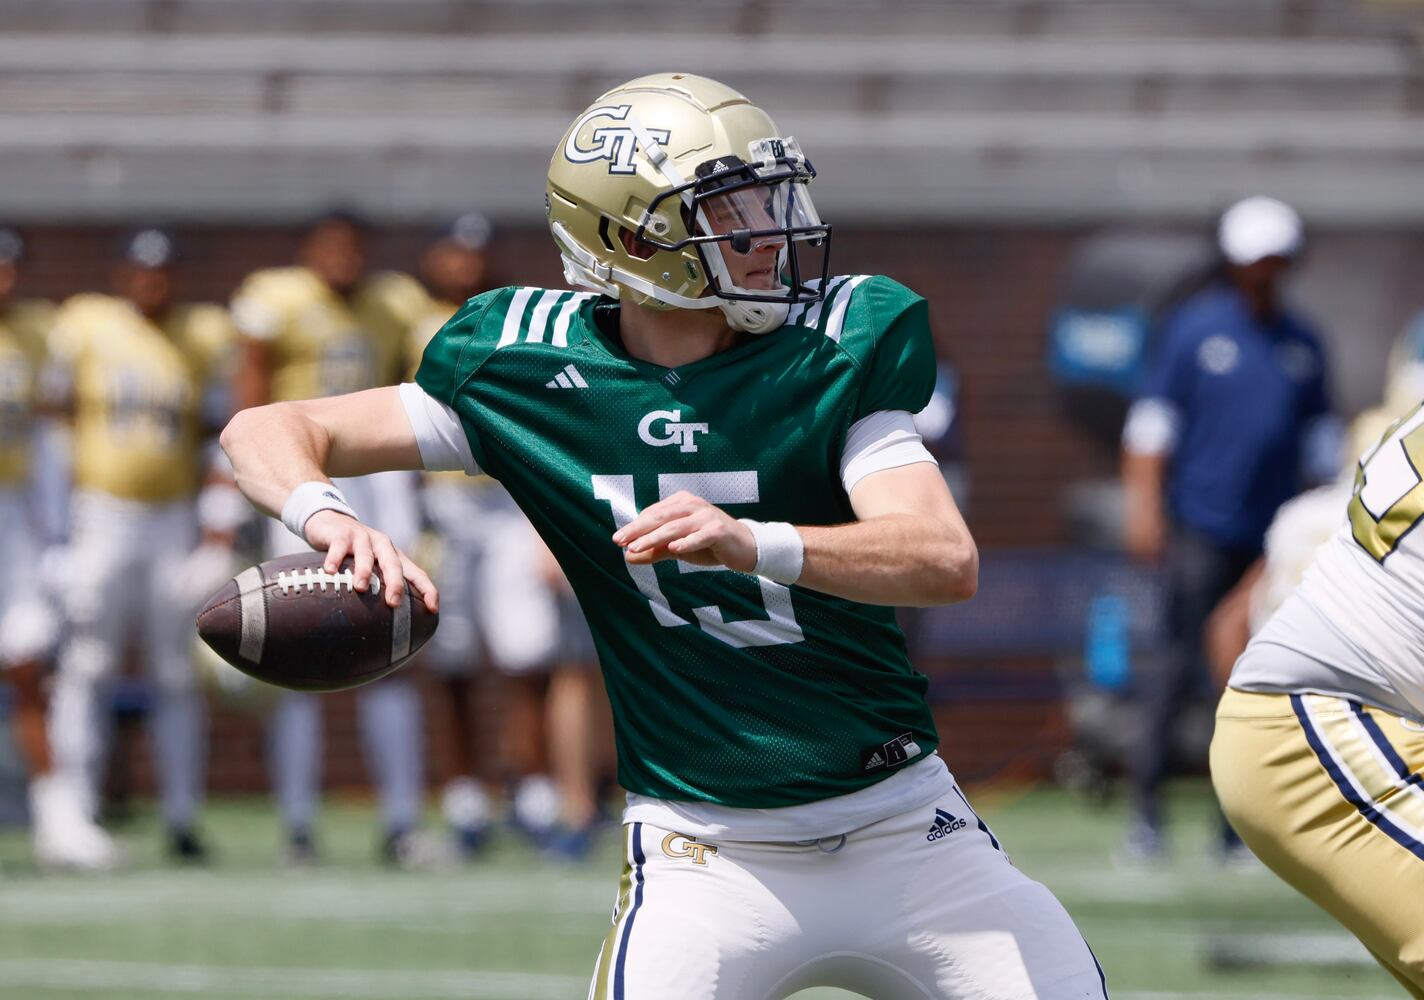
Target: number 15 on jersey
{"type": "Point", "coordinates": [778, 628]}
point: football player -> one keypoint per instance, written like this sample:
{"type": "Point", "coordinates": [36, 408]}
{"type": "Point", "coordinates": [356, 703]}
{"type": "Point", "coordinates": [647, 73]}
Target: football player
{"type": "Point", "coordinates": [138, 374]}
{"type": "Point", "coordinates": [495, 600]}
{"type": "Point", "coordinates": [467, 513]}
{"type": "Point", "coordinates": [27, 623]}
{"type": "Point", "coordinates": [1319, 742]}
{"type": "Point", "coordinates": [324, 327]}
{"type": "Point", "coordinates": [716, 443]}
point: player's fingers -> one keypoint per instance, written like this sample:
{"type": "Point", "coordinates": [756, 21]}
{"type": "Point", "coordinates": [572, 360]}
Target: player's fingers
{"type": "Point", "coordinates": [335, 552]}
{"type": "Point", "coordinates": [421, 583]}
{"type": "Point", "coordinates": [651, 517]}
{"type": "Point", "coordinates": [663, 534]}
{"type": "Point", "coordinates": [702, 538]}
{"type": "Point", "coordinates": [362, 559]}
{"type": "Point", "coordinates": [392, 573]}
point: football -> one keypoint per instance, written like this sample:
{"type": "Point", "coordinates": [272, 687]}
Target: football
{"type": "Point", "coordinates": [290, 623]}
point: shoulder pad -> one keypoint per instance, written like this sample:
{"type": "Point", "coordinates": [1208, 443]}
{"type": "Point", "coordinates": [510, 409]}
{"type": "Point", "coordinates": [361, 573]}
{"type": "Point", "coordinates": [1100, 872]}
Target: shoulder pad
{"type": "Point", "coordinates": [856, 309]}
{"type": "Point", "coordinates": [884, 327]}
{"type": "Point", "coordinates": [263, 302]}
{"type": "Point", "coordinates": [399, 294]}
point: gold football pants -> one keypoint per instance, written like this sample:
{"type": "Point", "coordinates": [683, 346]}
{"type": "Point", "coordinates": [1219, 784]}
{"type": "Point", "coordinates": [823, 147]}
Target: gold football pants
{"type": "Point", "coordinates": [1329, 794]}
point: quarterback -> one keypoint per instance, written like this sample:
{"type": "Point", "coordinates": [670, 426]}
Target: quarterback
{"type": "Point", "coordinates": [1319, 741]}
{"type": "Point", "coordinates": [716, 444]}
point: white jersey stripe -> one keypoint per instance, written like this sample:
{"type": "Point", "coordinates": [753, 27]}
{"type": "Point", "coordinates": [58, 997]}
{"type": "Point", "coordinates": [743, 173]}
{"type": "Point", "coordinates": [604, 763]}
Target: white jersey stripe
{"type": "Point", "coordinates": [566, 313]}
{"type": "Point", "coordinates": [836, 320]}
{"type": "Point", "coordinates": [799, 309]}
{"type": "Point", "coordinates": [510, 332]}
{"type": "Point", "coordinates": [563, 381]}
{"type": "Point", "coordinates": [813, 315]}
{"type": "Point", "coordinates": [575, 377]}
{"type": "Point", "coordinates": [539, 318]}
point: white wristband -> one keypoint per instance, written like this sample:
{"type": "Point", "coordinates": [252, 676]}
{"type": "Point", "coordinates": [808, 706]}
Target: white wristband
{"type": "Point", "coordinates": [780, 550]}
{"type": "Point", "coordinates": [309, 498]}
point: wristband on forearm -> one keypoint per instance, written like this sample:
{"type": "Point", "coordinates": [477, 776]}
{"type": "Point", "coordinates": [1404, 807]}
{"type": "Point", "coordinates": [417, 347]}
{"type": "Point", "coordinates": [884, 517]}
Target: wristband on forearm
{"type": "Point", "coordinates": [309, 498]}
{"type": "Point", "coordinates": [780, 550]}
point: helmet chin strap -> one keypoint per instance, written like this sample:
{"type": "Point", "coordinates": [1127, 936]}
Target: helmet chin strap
{"type": "Point", "coordinates": [754, 317]}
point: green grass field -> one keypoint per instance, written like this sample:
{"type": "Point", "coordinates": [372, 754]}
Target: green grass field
{"type": "Point", "coordinates": [510, 927]}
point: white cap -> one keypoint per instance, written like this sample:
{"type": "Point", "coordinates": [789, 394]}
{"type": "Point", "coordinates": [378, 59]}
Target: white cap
{"type": "Point", "coordinates": [1260, 227]}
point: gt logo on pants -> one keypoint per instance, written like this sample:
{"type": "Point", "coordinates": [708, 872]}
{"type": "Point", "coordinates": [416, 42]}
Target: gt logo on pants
{"type": "Point", "coordinates": [689, 848]}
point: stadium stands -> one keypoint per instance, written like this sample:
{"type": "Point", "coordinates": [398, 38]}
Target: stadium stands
{"type": "Point", "coordinates": [987, 109]}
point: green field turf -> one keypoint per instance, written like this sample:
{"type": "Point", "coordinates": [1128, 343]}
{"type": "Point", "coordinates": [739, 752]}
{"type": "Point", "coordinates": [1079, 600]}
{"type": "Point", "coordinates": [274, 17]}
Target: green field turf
{"type": "Point", "coordinates": [510, 927]}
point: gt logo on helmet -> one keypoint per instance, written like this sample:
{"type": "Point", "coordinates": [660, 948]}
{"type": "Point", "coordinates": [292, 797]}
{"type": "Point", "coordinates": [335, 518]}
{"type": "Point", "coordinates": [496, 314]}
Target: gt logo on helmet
{"type": "Point", "coordinates": [614, 143]}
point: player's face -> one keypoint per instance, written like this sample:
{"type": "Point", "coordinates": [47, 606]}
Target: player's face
{"type": "Point", "coordinates": [336, 251]}
{"type": "Point", "coordinates": [150, 289]}
{"type": "Point", "coordinates": [758, 267]}
{"type": "Point", "coordinates": [452, 271]}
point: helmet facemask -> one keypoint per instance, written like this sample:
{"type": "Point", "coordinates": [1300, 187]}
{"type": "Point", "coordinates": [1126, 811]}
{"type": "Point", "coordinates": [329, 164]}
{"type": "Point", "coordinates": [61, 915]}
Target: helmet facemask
{"type": "Point", "coordinates": [762, 212]}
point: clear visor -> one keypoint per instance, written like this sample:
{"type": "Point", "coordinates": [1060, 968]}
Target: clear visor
{"type": "Point", "coordinates": [759, 213]}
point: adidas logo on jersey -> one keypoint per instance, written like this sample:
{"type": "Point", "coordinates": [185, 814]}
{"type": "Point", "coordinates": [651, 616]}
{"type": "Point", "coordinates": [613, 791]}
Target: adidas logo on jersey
{"type": "Point", "coordinates": [891, 753]}
{"type": "Point", "coordinates": [944, 824]}
{"type": "Point", "coordinates": [569, 378]}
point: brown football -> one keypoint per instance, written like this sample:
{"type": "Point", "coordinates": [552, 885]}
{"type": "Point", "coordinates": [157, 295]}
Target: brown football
{"type": "Point", "coordinates": [290, 623]}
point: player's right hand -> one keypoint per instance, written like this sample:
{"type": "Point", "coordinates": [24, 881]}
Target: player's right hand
{"type": "Point", "coordinates": [339, 536]}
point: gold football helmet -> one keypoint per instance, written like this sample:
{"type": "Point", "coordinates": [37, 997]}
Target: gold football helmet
{"type": "Point", "coordinates": [658, 176]}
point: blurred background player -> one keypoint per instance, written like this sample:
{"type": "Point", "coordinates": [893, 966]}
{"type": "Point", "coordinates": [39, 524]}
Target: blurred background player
{"type": "Point", "coordinates": [504, 603]}
{"type": "Point", "coordinates": [27, 623]}
{"type": "Point", "coordinates": [1233, 418]}
{"type": "Point", "coordinates": [464, 513]}
{"type": "Point", "coordinates": [324, 327]}
{"type": "Point", "coordinates": [141, 377]}
{"type": "Point", "coordinates": [570, 726]}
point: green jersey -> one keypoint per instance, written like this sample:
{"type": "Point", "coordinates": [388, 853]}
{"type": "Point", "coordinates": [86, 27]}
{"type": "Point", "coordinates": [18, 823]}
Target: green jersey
{"type": "Point", "coordinates": [725, 687]}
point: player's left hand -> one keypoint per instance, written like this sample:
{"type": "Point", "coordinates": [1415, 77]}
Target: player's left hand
{"type": "Point", "coordinates": [687, 527]}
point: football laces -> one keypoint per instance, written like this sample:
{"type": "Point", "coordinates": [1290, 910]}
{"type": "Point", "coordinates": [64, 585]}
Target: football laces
{"type": "Point", "coordinates": [310, 580]}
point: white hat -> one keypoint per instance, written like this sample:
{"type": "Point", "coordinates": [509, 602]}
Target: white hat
{"type": "Point", "coordinates": [1260, 227]}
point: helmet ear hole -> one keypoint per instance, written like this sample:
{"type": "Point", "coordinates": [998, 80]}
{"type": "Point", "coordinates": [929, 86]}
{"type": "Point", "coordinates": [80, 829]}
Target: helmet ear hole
{"type": "Point", "coordinates": [603, 233]}
{"type": "Point", "coordinates": [634, 247]}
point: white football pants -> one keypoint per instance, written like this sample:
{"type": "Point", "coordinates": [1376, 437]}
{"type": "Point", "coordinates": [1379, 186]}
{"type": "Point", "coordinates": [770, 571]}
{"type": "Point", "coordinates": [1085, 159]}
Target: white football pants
{"type": "Point", "coordinates": [492, 598]}
{"type": "Point", "coordinates": [388, 712]}
{"type": "Point", "coordinates": [27, 622]}
{"type": "Point", "coordinates": [921, 906]}
{"type": "Point", "coordinates": [125, 582]}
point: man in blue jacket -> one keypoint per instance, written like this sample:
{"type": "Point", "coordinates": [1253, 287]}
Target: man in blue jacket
{"type": "Point", "coordinates": [1232, 420]}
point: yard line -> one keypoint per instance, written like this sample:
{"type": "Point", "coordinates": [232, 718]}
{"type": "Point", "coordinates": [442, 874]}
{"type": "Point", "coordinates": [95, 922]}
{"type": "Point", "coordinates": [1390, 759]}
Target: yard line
{"type": "Point", "coordinates": [326, 984]}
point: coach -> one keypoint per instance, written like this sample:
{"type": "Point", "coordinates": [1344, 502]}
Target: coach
{"type": "Point", "coordinates": [1232, 420]}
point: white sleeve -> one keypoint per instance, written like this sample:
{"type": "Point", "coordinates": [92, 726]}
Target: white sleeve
{"type": "Point", "coordinates": [1151, 428]}
{"type": "Point", "coordinates": [438, 431]}
{"type": "Point", "coordinates": [886, 439]}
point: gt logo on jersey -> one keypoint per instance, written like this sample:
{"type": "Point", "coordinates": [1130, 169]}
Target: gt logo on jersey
{"type": "Point", "coordinates": [674, 431]}
{"type": "Point", "coordinates": [675, 845]}
{"type": "Point", "coordinates": [614, 143]}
